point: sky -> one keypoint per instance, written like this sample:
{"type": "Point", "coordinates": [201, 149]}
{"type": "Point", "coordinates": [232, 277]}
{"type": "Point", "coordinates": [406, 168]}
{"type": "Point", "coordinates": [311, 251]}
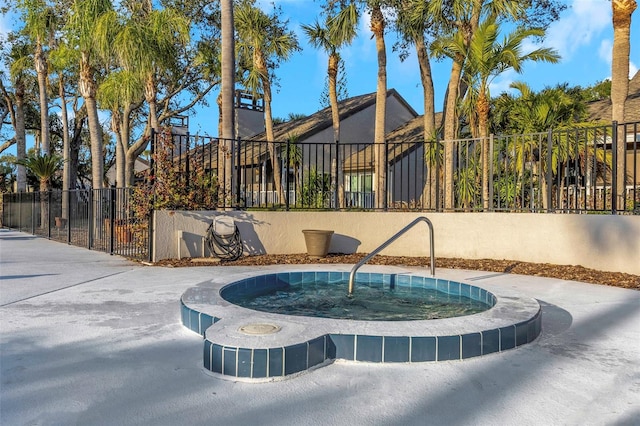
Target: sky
{"type": "Point", "coordinates": [583, 37]}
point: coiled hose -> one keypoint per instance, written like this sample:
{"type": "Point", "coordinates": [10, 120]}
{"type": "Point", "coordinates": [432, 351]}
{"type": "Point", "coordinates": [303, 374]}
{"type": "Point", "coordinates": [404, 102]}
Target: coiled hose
{"type": "Point", "coordinates": [224, 247]}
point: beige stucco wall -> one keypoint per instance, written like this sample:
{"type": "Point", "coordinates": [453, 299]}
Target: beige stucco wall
{"type": "Point", "coordinates": [603, 242]}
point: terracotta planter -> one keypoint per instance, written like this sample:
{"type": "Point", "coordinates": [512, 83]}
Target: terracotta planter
{"type": "Point", "coordinates": [123, 234]}
{"type": "Point", "coordinates": [317, 241]}
{"type": "Point", "coordinates": [61, 222]}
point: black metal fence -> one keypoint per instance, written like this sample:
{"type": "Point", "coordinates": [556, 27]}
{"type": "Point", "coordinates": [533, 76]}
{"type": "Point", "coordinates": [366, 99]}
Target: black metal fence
{"type": "Point", "coordinates": [582, 169]}
{"type": "Point", "coordinates": [105, 220]}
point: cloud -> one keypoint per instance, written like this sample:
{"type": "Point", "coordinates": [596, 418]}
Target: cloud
{"type": "Point", "coordinates": [584, 22]}
{"type": "Point", "coordinates": [604, 51]}
{"type": "Point", "coordinates": [502, 82]}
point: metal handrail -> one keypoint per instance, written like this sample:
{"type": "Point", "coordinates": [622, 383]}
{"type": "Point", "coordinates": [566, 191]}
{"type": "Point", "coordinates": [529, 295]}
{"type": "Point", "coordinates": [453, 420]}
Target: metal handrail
{"type": "Point", "coordinates": [388, 242]}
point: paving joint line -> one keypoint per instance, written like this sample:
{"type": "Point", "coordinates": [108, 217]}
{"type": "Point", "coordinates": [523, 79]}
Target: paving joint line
{"type": "Point", "coordinates": [63, 288]}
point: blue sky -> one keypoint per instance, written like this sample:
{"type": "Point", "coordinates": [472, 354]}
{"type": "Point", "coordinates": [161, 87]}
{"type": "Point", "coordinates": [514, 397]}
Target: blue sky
{"type": "Point", "coordinates": [583, 37]}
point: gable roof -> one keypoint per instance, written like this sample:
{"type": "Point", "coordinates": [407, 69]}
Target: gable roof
{"type": "Point", "coordinates": [315, 123]}
{"type": "Point", "coordinates": [601, 110]}
{"type": "Point", "coordinates": [400, 141]}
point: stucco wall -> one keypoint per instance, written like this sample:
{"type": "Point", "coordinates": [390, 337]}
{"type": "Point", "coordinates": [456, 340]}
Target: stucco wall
{"type": "Point", "coordinates": [603, 242]}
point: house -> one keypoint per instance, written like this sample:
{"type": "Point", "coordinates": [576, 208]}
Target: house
{"type": "Point", "coordinates": [601, 111]}
{"type": "Point", "coordinates": [313, 137]}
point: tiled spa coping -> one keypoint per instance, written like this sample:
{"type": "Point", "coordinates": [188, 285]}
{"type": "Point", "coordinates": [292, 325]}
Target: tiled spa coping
{"type": "Point", "coordinates": [296, 344]}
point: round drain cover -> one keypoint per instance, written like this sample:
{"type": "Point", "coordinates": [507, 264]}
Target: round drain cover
{"type": "Point", "coordinates": [256, 329]}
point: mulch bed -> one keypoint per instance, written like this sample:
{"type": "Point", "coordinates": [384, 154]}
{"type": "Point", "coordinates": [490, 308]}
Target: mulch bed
{"type": "Point", "coordinates": [573, 273]}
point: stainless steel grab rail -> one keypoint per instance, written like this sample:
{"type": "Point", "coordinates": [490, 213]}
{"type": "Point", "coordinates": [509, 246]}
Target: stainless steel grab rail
{"type": "Point", "coordinates": [389, 241]}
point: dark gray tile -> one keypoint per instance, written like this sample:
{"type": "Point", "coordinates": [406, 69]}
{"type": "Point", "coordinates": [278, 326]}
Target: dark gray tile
{"type": "Point", "coordinates": [423, 349]}
{"type": "Point", "coordinates": [465, 290]}
{"type": "Point", "coordinates": [322, 277]}
{"type": "Point", "coordinates": [205, 322]}
{"type": "Point", "coordinates": [522, 331]}
{"type": "Point", "coordinates": [448, 347]}
{"type": "Point", "coordinates": [295, 278]}
{"type": "Point", "coordinates": [335, 277]}
{"type": "Point", "coordinates": [442, 285]}
{"type": "Point", "coordinates": [369, 348]}
{"type": "Point", "coordinates": [490, 341]}
{"type": "Point", "coordinates": [454, 288]}
{"type": "Point", "coordinates": [184, 313]}
{"type": "Point", "coordinates": [259, 363]}
{"type": "Point", "coordinates": [216, 358]}
{"type": "Point", "coordinates": [244, 362]}
{"type": "Point", "coordinates": [295, 358]}
{"type": "Point", "coordinates": [471, 345]}
{"type": "Point", "coordinates": [317, 351]}
{"type": "Point", "coordinates": [537, 325]}
{"type": "Point", "coordinates": [229, 362]}
{"type": "Point", "coordinates": [275, 362]}
{"type": "Point", "coordinates": [194, 322]}
{"type": "Point", "coordinates": [344, 344]}
{"type": "Point", "coordinates": [396, 349]}
{"type": "Point", "coordinates": [206, 355]}
{"type": "Point", "coordinates": [282, 279]}
{"type": "Point", "coordinates": [308, 277]}
{"type": "Point", "coordinates": [507, 338]}
{"type": "Point", "coordinates": [403, 280]}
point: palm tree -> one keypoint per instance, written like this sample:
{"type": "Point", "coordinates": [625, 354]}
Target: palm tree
{"type": "Point", "coordinates": [414, 19]}
{"type": "Point", "coordinates": [61, 60]}
{"type": "Point", "coordinates": [264, 40]}
{"type": "Point", "coordinates": [377, 28]}
{"type": "Point", "coordinates": [44, 167]}
{"type": "Point", "coordinates": [39, 24]}
{"type": "Point", "coordinates": [88, 29]}
{"type": "Point", "coordinates": [147, 43]}
{"type": "Point", "coordinates": [622, 11]}
{"type": "Point", "coordinates": [486, 59]}
{"type": "Point", "coordinates": [461, 18]}
{"type": "Point", "coordinates": [19, 64]}
{"type": "Point", "coordinates": [338, 31]}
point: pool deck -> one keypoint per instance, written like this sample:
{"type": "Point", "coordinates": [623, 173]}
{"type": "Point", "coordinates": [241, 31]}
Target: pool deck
{"type": "Point", "coordinates": [92, 339]}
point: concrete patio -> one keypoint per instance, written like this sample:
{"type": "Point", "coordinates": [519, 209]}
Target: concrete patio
{"type": "Point", "coordinates": [92, 339]}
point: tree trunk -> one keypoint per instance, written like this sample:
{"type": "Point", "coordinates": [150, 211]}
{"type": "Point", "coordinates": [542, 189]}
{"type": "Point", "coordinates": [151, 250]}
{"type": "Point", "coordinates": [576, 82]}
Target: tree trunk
{"type": "Point", "coordinates": [97, 155]}
{"type": "Point", "coordinates": [41, 70]}
{"type": "Point", "coordinates": [428, 122]}
{"type": "Point", "coordinates": [377, 27]}
{"type": "Point", "coordinates": [622, 11]}
{"type": "Point", "coordinates": [450, 130]}
{"type": "Point", "coordinates": [268, 123]}
{"type": "Point", "coordinates": [332, 72]}
{"type": "Point", "coordinates": [482, 107]}
{"type": "Point", "coordinates": [227, 93]}
{"type": "Point", "coordinates": [21, 145]}
{"type": "Point", "coordinates": [66, 181]}
{"type": "Point", "coordinates": [116, 119]}
{"type": "Point", "coordinates": [87, 87]}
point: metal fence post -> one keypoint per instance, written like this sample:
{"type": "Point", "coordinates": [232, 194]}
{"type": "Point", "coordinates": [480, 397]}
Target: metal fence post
{"type": "Point", "coordinates": [238, 170]}
{"type": "Point", "coordinates": [48, 204]}
{"type": "Point", "coordinates": [336, 193]}
{"type": "Point", "coordinates": [90, 224]}
{"type": "Point", "coordinates": [549, 177]}
{"type": "Point", "coordinates": [614, 167]}
{"type": "Point", "coordinates": [491, 142]}
{"type": "Point", "coordinates": [112, 212]}
{"type": "Point", "coordinates": [286, 176]}
{"type": "Point", "coordinates": [385, 201]}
